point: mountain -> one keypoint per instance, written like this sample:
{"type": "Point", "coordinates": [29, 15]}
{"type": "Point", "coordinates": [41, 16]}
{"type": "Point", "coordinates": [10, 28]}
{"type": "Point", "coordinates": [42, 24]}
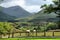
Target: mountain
{"type": "Point", "coordinates": [5, 17]}
{"type": "Point", "coordinates": [40, 17]}
{"type": "Point", "coordinates": [16, 11]}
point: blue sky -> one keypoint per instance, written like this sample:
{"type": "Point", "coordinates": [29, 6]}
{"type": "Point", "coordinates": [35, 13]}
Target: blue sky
{"type": "Point", "coordinates": [29, 5]}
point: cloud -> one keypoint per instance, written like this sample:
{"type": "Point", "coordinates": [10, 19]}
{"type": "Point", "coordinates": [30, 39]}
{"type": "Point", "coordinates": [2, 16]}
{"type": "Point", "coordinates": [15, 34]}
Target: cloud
{"type": "Point", "coordinates": [20, 2]}
{"type": "Point", "coordinates": [33, 8]}
{"type": "Point", "coordinates": [13, 3]}
{"type": "Point", "coordinates": [29, 5]}
{"type": "Point", "coordinates": [37, 2]}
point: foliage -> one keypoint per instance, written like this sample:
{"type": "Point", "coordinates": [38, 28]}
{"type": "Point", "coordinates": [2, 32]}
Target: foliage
{"type": "Point", "coordinates": [48, 26]}
{"type": "Point", "coordinates": [5, 27]}
{"type": "Point", "coordinates": [51, 26]}
{"type": "Point", "coordinates": [53, 8]}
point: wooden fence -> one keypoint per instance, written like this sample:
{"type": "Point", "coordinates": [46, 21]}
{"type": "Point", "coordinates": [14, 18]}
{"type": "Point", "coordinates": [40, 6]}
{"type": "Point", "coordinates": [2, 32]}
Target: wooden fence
{"type": "Point", "coordinates": [32, 34]}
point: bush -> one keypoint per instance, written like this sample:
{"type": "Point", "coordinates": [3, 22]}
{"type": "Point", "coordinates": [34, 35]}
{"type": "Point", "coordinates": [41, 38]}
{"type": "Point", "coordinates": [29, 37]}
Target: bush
{"type": "Point", "coordinates": [51, 26]}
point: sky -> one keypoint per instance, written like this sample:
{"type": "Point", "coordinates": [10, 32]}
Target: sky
{"type": "Point", "coordinates": [29, 5]}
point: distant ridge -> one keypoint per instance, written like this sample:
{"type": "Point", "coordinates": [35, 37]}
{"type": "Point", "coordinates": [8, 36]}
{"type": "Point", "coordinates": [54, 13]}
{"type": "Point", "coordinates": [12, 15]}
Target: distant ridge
{"type": "Point", "coordinates": [40, 17]}
{"type": "Point", "coordinates": [16, 11]}
{"type": "Point", "coordinates": [4, 17]}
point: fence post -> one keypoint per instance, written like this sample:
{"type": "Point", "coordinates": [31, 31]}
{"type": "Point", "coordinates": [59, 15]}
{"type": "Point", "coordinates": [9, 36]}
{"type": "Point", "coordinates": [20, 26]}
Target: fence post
{"type": "Point", "coordinates": [28, 33]}
{"type": "Point", "coordinates": [12, 34]}
{"type": "Point", "coordinates": [44, 33]}
{"type": "Point", "coordinates": [53, 33]}
{"type": "Point", "coordinates": [8, 35]}
{"type": "Point", "coordinates": [36, 33]}
{"type": "Point", "coordinates": [20, 33]}
{"type": "Point", "coordinates": [0, 35]}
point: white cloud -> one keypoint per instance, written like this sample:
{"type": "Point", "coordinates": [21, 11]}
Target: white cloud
{"type": "Point", "coordinates": [37, 2]}
{"type": "Point", "coordinates": [33, 8]}
{"type": "Point", "coordinates": [22, 3]}
{"type": "Point", "coordinates": [13, 3]}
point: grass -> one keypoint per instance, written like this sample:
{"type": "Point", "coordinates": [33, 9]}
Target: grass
{"type": "Point", "coordinates": [28, 39]}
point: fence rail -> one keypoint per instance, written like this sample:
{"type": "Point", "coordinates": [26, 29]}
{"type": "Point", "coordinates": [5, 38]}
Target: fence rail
{"type": "Point", "coordinates": [32, 34]}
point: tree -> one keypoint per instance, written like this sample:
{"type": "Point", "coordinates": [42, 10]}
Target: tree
{"type": "Point", "coordinates": [1, 28]}
{"type": "Point", "coordinates": [51, 26]}
{"type": "Point", "coordinates": [8, 27]}
{"type": "Point", "coordinates": [53, 8]}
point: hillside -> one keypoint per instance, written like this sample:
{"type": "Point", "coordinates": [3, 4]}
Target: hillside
{"type": "Point", "coordinates": [16, 11]}
{"type": "Point", "coordinates": [5, 17]}
{"type": "Point", "coordinates": [13, 13]}
{"type": "Point", "coordinates": [39, 17]}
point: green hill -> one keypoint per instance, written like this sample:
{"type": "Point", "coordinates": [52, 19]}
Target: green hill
{"type": "Point", "coordinates": [38, 17]}
{"type": "Point", "coordinates": [13, 13]}
{"type": "Point", "coordinates": [16, 11]}
{"type": "Point", "coordinates": [5, 17]}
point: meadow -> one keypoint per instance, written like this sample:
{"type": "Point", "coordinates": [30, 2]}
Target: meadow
{"type": "Point", "coordinates": [27, 39]}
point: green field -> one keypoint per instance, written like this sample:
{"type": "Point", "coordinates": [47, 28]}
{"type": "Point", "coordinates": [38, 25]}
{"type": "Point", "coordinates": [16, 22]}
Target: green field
{"type": "Point", "coordinates": [27, 39]}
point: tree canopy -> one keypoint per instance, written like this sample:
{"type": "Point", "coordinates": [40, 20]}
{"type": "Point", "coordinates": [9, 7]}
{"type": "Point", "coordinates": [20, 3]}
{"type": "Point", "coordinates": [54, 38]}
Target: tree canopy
{"type": "Point", "coordinates": [53, 8]}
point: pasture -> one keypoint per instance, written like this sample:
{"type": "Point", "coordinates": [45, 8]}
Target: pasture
{"type": "Point", "coordinates": [27, 39]}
